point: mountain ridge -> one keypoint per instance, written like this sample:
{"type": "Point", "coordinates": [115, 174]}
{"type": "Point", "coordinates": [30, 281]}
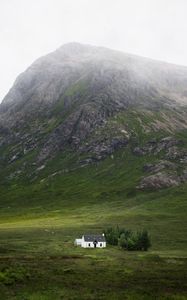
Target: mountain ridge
{"type": "Point", "coordinates": [68, 51]}
{"type": "Point", "coordinates": [92, 102]}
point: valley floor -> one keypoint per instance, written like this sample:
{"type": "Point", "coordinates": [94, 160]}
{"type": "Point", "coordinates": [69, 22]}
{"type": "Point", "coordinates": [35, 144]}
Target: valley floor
{"type": "Point", "coordinates": [43, 264]}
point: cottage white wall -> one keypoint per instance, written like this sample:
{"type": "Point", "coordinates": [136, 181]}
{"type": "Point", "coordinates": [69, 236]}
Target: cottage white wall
{"type": "Point", "coordinates": [78, 242]}
{"type": "Point", "coordinates": [86, 244]}
{"type": "Point", "coordinates": [104, 244]}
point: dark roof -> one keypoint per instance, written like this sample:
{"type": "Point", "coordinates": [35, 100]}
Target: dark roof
{"type": "Point", "coordinates": [92, 238]}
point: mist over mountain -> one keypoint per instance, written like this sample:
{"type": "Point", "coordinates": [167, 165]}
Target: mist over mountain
{"type": "Point", "coordinates": [93, 101]}
{"type": "Point", "coordinates": [128, 79]}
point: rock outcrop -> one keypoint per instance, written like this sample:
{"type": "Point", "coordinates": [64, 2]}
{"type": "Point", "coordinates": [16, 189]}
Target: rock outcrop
{"type": "Point", "coordinates": [158, 181]}
{"type": "Point", "coordinates": [155, 146]}
{"type": "Point", "coordinates": [164, 175]}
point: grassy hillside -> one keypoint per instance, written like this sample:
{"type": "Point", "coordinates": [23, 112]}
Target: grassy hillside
{"type": "Point", "coordinates": [40, 220]}
{"type": "Point", "coordinates": [95, 197]}
{"type": "Point", "coordinates": [43, 209]}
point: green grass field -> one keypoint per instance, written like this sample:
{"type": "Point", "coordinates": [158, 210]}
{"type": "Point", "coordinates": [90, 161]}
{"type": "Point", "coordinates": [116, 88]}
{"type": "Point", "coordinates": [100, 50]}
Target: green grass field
{"type": "Point", "coordinates": [39, 222]}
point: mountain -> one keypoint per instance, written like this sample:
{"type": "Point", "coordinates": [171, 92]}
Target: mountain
{"type": "Point", "coordinates": [89, 102]}
{"type": "Point", "coordinates": [92, 138]}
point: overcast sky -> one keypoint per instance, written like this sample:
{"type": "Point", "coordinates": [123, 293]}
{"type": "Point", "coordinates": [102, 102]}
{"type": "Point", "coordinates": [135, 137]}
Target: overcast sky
{"type": "Point", "coordinates": [31, 28]}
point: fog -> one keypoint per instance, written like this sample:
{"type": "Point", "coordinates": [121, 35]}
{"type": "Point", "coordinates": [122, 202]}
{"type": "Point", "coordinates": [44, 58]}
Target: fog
{"type": "Point", "coordinates": [30, 29]}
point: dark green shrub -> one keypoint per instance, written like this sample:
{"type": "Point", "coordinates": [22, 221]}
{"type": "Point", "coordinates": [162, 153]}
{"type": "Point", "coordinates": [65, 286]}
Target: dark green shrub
{"type": "Point", "coordinates": [145, 240]}
{"type": "Point", "coordinates": [122, 242]}
{"type": "Point", "coordinates": [10, 275]}
{"type": "Point", "coordinates": [112, 235]}
{"type": "Point", "coordinates": [131, 244]}
{"type": "Point", "coordinates": [127, 239]}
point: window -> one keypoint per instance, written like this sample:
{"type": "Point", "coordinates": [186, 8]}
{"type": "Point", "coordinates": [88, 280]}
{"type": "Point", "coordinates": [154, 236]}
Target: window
{"type": "Point", "coordinates": [101, 245]}
{"type": "Point", "coordinates": [89, 245]}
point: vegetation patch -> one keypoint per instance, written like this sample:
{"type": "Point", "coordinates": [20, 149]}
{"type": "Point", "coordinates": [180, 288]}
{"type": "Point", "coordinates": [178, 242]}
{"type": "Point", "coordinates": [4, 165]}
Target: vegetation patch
{"type": "Point", "coordinates": [127, 239]}
{"type": "Point", "coordinates": [10, 275]}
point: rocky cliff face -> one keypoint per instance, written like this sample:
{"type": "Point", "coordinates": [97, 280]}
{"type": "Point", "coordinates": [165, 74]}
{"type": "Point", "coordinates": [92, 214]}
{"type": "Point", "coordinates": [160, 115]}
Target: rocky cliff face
{"type": "Point", "coordinates": [92, 101]}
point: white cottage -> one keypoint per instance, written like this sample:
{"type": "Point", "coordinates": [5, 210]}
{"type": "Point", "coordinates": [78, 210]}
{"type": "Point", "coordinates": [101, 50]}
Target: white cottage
{"type": "Point", "coordinates": [91, 241]}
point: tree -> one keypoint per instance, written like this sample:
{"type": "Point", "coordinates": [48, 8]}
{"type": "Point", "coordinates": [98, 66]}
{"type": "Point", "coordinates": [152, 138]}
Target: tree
{"type": "Point", "coordinates": [126, 239]}
{"type": "Point", "coordinates": [145, 240]}
{"type": "Point", "coordinates": [122, 242]}
{"type": "Point", "coordinates": [111, 235]}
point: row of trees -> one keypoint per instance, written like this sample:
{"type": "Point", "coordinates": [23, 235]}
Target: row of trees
{"type": "Point", "coordinates": [127, 239]}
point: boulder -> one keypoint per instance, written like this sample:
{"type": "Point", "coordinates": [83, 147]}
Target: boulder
{"type": "Point", "coordinates": [159, 181]}
{"type": "Point", "coordinates": [161, 165]}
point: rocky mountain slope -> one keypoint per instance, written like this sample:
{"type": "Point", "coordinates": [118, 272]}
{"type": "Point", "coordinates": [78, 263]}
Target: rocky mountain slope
{"type": "Point", "coordinates": [87, 103]}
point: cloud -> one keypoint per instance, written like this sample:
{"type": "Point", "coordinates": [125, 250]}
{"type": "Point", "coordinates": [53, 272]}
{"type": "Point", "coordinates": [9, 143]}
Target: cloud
{"type": "Point", "coordinates": [29, 29]}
